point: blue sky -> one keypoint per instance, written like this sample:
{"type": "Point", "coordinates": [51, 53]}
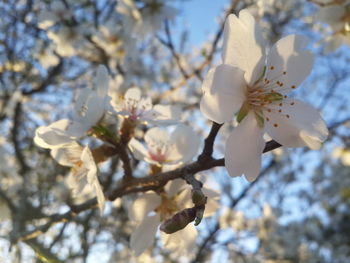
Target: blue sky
{"type": "Point", "coordinates": [199, 16]}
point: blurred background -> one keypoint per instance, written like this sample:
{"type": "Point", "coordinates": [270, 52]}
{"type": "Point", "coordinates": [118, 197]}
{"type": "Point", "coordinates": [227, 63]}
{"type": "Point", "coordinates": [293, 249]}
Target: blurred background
{"type": "Point", "coordinates": [298, 210]}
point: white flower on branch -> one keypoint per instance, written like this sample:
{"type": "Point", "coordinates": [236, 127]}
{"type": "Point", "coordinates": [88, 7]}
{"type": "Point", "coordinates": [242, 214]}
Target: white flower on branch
{"type": "Point", "coordinates": [150, 209]}
{"type": "Point", "coordinates": [147, 18]}
{"type": "Point", "coordinates": [90, 108]}
{"type": "Point", "coordinates": [163, 147]}
{"type": "Point", "coordinates": [337, 16]}
{"type": "Point", "coordinates": [84, 172]}
{"type": "Point", "coordinates": [140, 109]}
{"type": "Point", "coordinates": [254, 85]}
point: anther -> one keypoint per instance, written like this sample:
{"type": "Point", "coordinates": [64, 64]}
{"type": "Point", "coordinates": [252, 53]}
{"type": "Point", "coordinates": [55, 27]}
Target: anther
{"type": "Point", "coordinates": [284, 72]}
{"type": "Point", "coordinates": [275, 125]}
{"type": "Point", "coordinates": [272, 67]}
{"type": "Point", "coordinates": [279, 111]}
{"type": "Point", "coordinates": [292, 103]}
{"type": "Point", "coordinates": [293, 87]}
{"type": "Point", "coordinates": [287, 116]}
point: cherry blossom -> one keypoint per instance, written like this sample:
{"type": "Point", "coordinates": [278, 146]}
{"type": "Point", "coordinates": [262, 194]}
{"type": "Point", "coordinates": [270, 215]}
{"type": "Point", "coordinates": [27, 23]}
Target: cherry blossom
{"type": "Point", "coordinates": [84, 172]}
{"type": "Point", "coordinates": [164, 147]}
{"type": "Point", "coordinates": [89, 109]}
{"type": "Point", "coordinates": [253, 84]}
{"type": "Point", "coordinates": [150, 209]}
{"type": "Point", "coordinates": [337, 15]}
{"type": "Point", "coordinates": [140, 109]}
{"type": "Point", "coordinates": [148, 18]}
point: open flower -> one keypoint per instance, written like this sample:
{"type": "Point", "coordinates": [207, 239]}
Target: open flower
{"type": "Point", "coordinates": [84, 172]}
{"type": "Point", "coordinates": [254, 85]}
{"type": "Point", "coordinates": [163, 147]}
{"type": "Point", "coordinates": [337, 15]}
{"type": "Point", "coordinates": [136, 108]}
{"type": "Point", "coordinates": [150, 209]}
{"type": "Point", "coordinates": [89, 109]}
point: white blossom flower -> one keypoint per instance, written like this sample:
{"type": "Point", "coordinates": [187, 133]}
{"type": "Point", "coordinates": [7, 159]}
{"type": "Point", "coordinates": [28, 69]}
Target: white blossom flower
{"type": "Point", "coordinates": [164, 147]}
{"type": "Point", "coordinates": [84, 172]}
{"type": "Point", "coordinates": [337, 16]}
{"type": "Point", "coordinates": [89, 109]}
{"type": "Point", "coordinates": [150, 209]}
{"type": "Point", "coordinates": [140, 109]}
{"type": "Point", "coordinates": [255, 86]}
{"type": "Point", "coordinates": [146, 19]}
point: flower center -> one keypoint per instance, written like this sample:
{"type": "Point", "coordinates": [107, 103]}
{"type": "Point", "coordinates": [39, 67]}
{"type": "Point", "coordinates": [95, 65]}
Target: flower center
{"type": "Point", "coordinates": [265, 96]}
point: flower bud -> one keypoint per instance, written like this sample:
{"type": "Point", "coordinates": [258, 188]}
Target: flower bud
{"type": "Point", "coordinates": [178, 221]}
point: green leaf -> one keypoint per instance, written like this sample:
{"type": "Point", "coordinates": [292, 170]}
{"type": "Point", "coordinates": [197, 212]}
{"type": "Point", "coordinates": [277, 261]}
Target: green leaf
{"type": "Point", "coordinates": [260, 119]}
{"type": "Point", "coordinates": [243, 112]}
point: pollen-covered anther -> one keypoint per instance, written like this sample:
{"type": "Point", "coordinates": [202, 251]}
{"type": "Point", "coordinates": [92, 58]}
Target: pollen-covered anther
{"type": "Point", "coordinates": [281, 104]}
{"type": "Point", "coordinates": [275, 125]}
{"type": "Point", "coordinates": [272, 67]}
{"type": "Point", "coordinates": [279, 111]}
{"type": "Point", "coordinates": [284, 72]}
{"type": "Point", "coordinates": [267, 118]}
{"type": "Point", "coordinates": [293, 87]}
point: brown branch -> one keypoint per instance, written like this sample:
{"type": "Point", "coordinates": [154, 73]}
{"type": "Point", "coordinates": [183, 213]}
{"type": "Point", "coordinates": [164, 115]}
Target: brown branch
{"type": "Point", "coordinates": [209, 143]}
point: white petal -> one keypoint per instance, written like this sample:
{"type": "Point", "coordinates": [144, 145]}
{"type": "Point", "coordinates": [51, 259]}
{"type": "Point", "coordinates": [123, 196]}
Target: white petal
{"type": "Point", "coordinates": [143, 235]}
{"type": "Point", "coordinates": [174, 186]}
{"type": "Point", "coordinates": [244, 147]}
{"type": "Point", "coordinates": [155, 136]}
{"type": "Point", "coordinates": [163, 114]}
{"type": "Point", "coordinates": [53, 135]}
{"type": "Point", "coordinates": [298, 124]}
{"type": "Point", "coordinates": [68, 154]}
{"type": "Point", "coordinates": [92, 176]}
{"type": "Point", "coordinates": [224, 93]}
{"type": "Point", "coordinates": [133, 94]}
{"type": "Point", "coordinates": [183, 241]}
{"type": "Point", "coordinates": [212, 204]}
{"type": "Point", "coordinates": [89, 108]}
{"type": "Point", "coordinates": [102, 81]}
{"type": "Point", "coordinates": [99, 195]}
{"type": "Point", "coordinates": [89, 164]}
{"type": "Point", "coordinates": [143, 205]}
{"type": "Point", "coordinates": [183, 198]}
{"type": "Point", "coordinates": [138, 150]}
{"type": "Point", "coordinates": [186, 144]}
{"type": "Point", "coordinates": [288, 55]}
{"type": "Point", "coordinates": [243, 45]}
{"type": "Point", "coordinates": [211, 207]}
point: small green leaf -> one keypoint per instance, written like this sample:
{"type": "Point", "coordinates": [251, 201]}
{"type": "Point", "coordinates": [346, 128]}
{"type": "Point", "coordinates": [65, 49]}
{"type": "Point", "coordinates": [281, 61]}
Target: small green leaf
{"type": "Point", "coordinates": [261, 76]}
{"type": "Point", "coordinates": [260, 119]}
{"type": "Point", "coordinates": [243, 112]}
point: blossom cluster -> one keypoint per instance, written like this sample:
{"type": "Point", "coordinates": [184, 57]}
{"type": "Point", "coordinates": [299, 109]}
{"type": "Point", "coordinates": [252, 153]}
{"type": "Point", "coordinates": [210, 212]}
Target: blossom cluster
{"type": "Point", "coordinates": [252, 85]}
